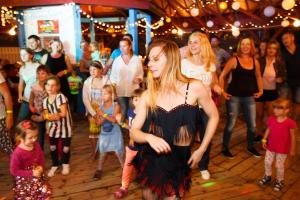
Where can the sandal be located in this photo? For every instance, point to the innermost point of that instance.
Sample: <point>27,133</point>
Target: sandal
<point>121,193</point>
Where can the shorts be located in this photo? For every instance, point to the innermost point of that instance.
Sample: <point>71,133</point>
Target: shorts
<point>290,92</point>
<point>268,95</point>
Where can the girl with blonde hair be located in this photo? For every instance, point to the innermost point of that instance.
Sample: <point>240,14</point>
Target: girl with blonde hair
<point>200,64</point>
<point>166,123</point>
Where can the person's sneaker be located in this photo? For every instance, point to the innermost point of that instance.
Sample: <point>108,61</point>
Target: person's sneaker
<point>205,174</point>
<point>120,193</point>
<point>65,169</point>
<point>265,180</point>
<point>52,171</point>
<point>278,185</point>
<point>254,152</point>
<point>227,154</point>
<point>97,175</point>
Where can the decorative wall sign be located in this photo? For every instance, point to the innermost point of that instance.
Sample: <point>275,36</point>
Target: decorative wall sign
<point>48,26</point>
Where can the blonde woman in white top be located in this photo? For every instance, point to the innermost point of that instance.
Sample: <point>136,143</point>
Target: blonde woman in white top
<point>200,64</point>
<point>127,73</point>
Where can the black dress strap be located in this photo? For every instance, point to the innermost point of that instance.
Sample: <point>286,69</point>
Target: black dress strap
<point>186,92</point>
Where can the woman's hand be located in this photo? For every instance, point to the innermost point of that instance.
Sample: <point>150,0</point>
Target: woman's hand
<point>158,144</point>
<point>226,95</point>
<point>258,94</point>
<point>37,171</point>
<point>195,158</point>
<point>61,73</point>
<point>20,99</point>
<point>264,145</point>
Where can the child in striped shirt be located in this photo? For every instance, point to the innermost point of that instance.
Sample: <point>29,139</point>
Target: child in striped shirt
<point>57,113</point>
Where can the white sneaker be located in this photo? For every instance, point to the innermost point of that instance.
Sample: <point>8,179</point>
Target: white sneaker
<point>52,171</point>
<point>65,169</point>
<point>205,174</point>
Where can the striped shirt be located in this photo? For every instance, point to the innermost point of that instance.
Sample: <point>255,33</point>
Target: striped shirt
<point>59,128</point>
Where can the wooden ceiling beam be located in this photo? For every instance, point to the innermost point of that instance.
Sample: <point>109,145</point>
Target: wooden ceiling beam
<point>252,16</point>
<point>140,4</point>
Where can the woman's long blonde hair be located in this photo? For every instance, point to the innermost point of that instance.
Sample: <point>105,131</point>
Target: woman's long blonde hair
<point>170,75</point>
<point>206,53</point>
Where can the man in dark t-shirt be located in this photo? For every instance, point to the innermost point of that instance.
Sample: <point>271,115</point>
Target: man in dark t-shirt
<point>291,56</point>
<point>34,43</point>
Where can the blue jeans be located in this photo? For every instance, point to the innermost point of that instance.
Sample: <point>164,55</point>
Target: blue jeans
<point>124,103</point>
<point>24,111</point>
<point>248,107</point>
<point>203,164</point>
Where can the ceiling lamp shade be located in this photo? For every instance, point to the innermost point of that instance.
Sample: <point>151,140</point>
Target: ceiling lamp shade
<point>285,23</point>
<point>296,23</point>
<point>269,11</point>
<point>185,24</point>
<point>288,4</point>
<point>235,5</point>
<point>209,23</point>
<point>195,12</point>
<point>237,23</point>
<point>223,5</point>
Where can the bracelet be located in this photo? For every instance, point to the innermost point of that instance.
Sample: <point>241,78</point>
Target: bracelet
<point>46,116</point>
<point>65,71</point>
<point>9,111</point>
<point>264,141</point>
<point>123,125</point>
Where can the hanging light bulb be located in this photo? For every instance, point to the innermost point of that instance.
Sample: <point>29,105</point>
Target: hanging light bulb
<point>180,32</point>
<point>223,5</point>
<point>288,4</point>
<point>285,23</point>
<point>235,31</point>
<point>209,23</point>
<point>168,19</point>
<point>269,11</point>
<point>174,31</point>
<point>195,12</point>
<point>185,24</point>
<point>296,23</point>
<point>235,5</point>
<point>237,23</point>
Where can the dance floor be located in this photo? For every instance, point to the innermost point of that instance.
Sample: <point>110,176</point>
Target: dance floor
<point>231,179</point>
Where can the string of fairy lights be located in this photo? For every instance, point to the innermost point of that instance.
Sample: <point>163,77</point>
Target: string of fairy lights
<point>9,16</point>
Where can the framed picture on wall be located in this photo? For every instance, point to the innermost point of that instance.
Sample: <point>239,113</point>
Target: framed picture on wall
<point>48,26</point>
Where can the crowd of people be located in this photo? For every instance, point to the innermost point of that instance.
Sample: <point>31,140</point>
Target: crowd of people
<point>177,107</point>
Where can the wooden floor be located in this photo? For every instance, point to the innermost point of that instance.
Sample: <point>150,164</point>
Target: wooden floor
<point>231,179</point>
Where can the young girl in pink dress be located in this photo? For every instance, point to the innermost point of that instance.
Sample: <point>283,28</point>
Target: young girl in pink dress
<point>279,140</point>
<point>27,164</point>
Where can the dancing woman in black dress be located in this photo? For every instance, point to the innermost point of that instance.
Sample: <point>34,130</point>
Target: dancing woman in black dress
<point>166,123</point>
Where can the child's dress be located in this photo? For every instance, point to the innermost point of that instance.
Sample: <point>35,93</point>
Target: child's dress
<point>111,136</point>
<point>25,185</point>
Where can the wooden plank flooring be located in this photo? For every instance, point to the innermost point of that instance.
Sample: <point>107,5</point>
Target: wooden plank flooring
<point>231,179</point>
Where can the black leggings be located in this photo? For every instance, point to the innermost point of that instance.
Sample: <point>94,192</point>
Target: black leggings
<point>66,153</point>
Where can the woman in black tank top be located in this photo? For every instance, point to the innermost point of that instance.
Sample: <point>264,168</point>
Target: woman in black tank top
<point>165,125</point>
<point>246,84</point>
<point>59,65</point>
